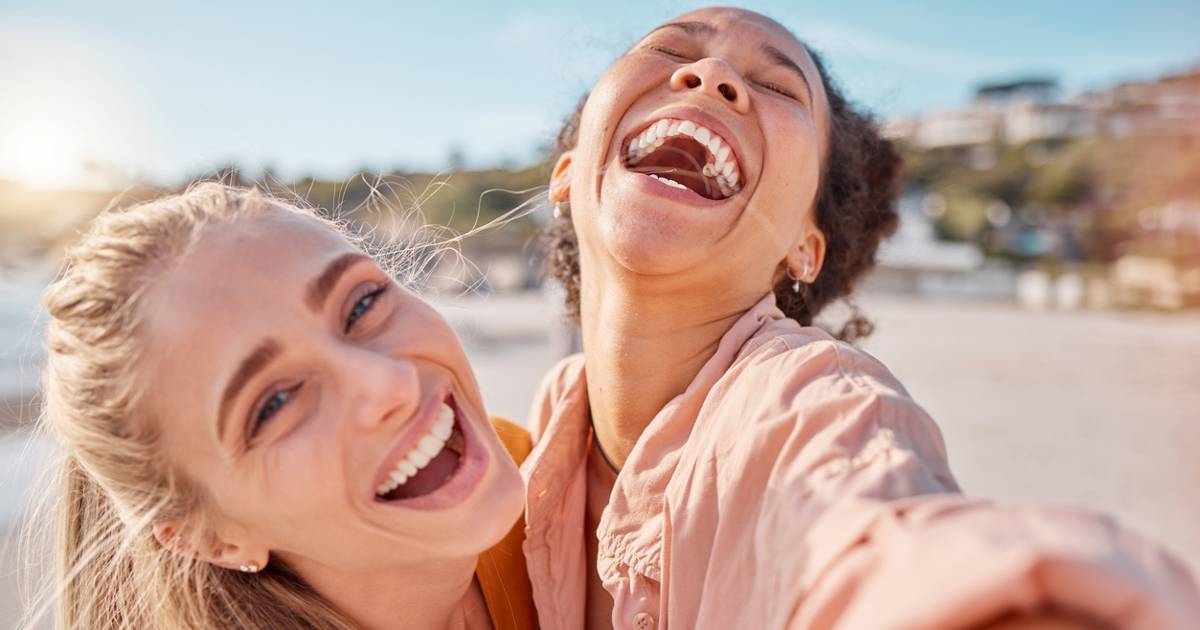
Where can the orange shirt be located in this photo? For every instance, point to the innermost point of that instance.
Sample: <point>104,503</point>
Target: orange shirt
<point>501,570</point>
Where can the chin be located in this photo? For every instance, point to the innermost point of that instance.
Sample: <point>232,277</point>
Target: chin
<point>652,239</point>
<point>507,504</point>
<point>490,518</point>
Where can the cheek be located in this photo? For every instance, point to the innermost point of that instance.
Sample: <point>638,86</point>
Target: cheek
<point>303,480</point>
<point>613,96</point>
<point>792,135</point>
<point>304,473</point>
<point>792,163</point>
<point>419,330</point>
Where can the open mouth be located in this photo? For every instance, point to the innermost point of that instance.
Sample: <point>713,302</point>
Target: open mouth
<point>683,154</point>
<point>430,463</point>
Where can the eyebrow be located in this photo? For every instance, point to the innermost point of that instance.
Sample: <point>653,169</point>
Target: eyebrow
<point>691,28</point>
<point>315,296</point>
<point>782,59</point>
<point>255,362</point>
<point>321,286</point>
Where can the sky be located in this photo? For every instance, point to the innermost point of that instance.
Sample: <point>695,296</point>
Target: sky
<point>95,92</point>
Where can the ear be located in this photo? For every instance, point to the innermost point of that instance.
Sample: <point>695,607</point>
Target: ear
<point>805,258</point>
<point>182,539</point>
<point>560,178</point>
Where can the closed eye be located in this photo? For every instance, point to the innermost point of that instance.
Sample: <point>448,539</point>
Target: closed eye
<point>778,89</point>
<point>670,52</point>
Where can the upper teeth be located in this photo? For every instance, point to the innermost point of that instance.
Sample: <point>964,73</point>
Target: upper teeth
<point>721,166</point>
<point>419,457</point>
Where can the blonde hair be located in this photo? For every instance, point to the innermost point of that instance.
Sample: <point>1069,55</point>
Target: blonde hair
<point>111,570</point>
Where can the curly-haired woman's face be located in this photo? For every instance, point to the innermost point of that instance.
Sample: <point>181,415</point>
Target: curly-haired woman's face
<point>329,416</point>
<point>700,151</point>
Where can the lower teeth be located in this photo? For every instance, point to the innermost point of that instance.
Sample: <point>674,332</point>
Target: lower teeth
<point>670,182</point>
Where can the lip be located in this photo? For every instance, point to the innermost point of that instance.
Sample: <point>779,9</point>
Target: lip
<point>652,186</point>
<point>472,466</point>
<point>417,428</point>
<point>700,116</point>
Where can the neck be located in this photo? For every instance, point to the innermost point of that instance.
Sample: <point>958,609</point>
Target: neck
<point>645,339</point>
<point>425,597</point>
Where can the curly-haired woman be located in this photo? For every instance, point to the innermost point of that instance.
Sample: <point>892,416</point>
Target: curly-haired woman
<point>712,460</point>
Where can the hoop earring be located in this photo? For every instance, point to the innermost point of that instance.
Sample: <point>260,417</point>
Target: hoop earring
<point>795,281</point>
<point>249,568</point>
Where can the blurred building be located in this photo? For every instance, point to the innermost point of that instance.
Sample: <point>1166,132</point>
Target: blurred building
<point>1168,106</point>
<point>1031,110</point>
<point>915,261</point>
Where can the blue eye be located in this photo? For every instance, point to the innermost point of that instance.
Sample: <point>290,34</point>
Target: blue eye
<point>272,406</point>
<point>362,307</point>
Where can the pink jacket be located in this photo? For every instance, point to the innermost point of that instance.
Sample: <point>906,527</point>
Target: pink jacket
<point>795,484</point>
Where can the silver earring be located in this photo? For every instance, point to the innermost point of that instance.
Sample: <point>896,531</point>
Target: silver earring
<point>249,568</point>
<point>795,281</point>
<point>559,210</point>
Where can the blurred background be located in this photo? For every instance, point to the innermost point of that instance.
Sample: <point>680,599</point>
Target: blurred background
<point>1041,298</point>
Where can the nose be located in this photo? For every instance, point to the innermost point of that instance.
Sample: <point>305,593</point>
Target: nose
<point>716,78</point>
<point>383,390</point>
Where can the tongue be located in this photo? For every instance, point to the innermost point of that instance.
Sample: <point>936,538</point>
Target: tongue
<point>680,158</point>
<point>429,478</point>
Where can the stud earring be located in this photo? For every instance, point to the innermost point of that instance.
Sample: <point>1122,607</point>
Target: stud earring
<point>560,209</point>
<point>249,568</point>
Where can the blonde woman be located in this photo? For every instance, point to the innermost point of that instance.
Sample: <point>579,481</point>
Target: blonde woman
<point>263,430</point>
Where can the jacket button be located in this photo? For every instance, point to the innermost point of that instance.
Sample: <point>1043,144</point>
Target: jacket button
<point>643,621</point>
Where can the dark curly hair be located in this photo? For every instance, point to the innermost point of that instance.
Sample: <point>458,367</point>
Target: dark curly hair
<point>855,205</point>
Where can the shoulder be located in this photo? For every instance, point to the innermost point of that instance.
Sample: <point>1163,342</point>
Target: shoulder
<point>515,438</point>
<point>561,378</point>
<point>799,358</point>
<point>560,382</point>
<point>825,397</point>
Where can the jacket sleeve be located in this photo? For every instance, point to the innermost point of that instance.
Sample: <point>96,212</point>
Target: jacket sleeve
<point>860,500</point>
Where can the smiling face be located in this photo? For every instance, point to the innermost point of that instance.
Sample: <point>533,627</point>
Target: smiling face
<point>700,152</point>
<point>329,416</point>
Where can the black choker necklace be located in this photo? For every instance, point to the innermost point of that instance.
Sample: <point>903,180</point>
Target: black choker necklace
<point>599,448</point>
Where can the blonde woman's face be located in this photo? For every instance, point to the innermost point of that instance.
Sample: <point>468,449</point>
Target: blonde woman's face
<point>330,416</point>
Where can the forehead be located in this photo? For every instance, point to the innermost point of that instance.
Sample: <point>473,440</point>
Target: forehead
<point>239,284</point>
<point>747,22</point>
<point>277,251</point>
